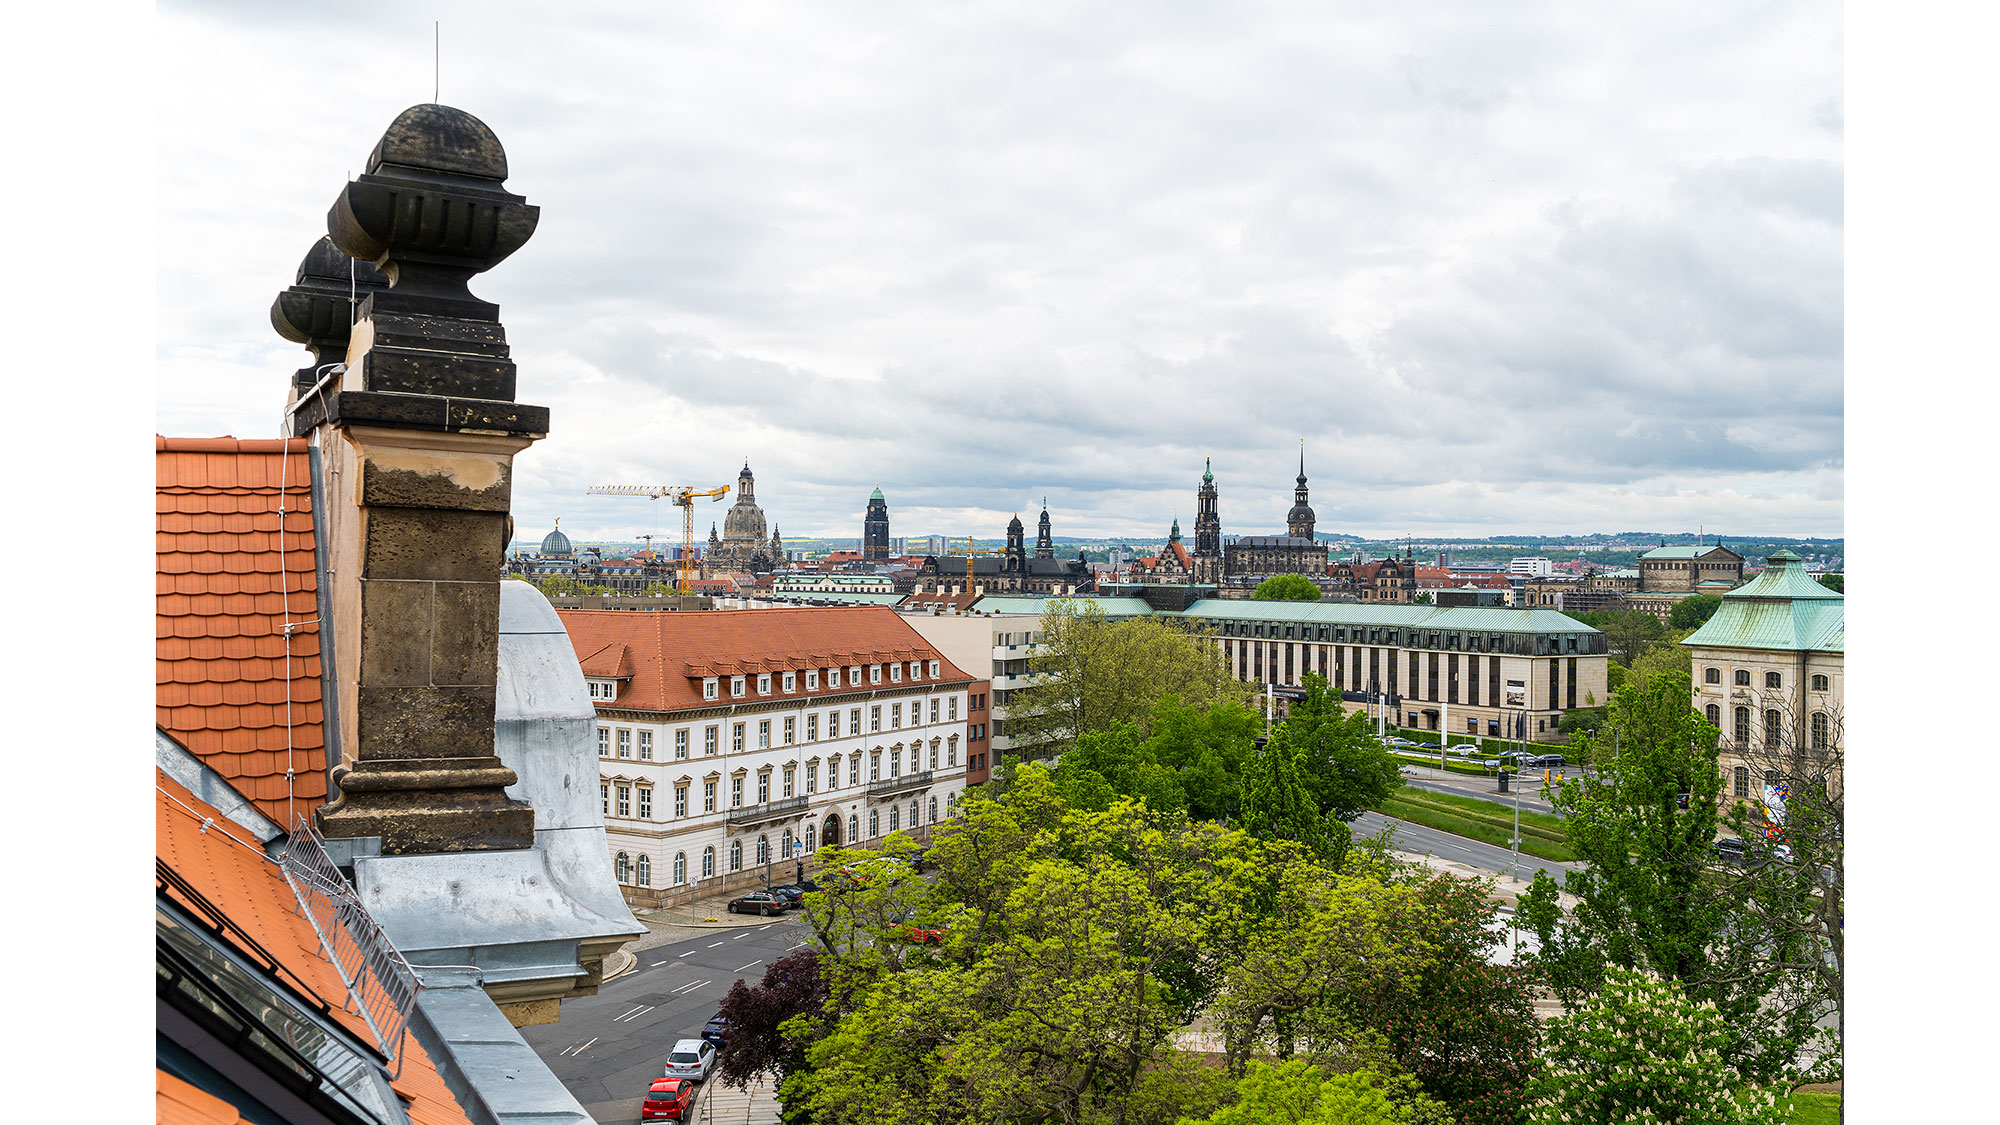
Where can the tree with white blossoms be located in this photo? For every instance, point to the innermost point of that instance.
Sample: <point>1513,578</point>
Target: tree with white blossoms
<point>1641,1051</point>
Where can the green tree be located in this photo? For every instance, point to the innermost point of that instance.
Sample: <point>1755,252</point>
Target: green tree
<point>1642,1050</point>
<point>1424,598</point>
<point>1348,771</point>
<point>1286,588</point>
<point>1836,582</point>
<point>1690,613</point>
<point>1093,674</point>
<point>1278,804</point>
<point>1297,1092</point>
<point>1670,657</point>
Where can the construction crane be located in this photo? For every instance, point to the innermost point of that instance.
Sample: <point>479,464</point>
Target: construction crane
<point>969,553</point>
<point>683,497</point>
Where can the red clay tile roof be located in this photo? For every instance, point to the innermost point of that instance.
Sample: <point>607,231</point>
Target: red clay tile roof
<point>221,605</point>
<point>177,1103</point>
<point>226,867</point>
<point>672,652</point>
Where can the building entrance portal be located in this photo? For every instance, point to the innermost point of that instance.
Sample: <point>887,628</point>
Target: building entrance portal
<point>829,833</point>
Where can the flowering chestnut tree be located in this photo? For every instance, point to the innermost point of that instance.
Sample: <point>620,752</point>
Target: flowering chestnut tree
<point>1640,1051</point>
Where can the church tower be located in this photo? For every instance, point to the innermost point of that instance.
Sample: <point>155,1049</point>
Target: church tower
<point>875,528</point>
<point>1299,521</point>
<point>1017,551</point>
<point>1045,545</point>
<point>1207,530</point>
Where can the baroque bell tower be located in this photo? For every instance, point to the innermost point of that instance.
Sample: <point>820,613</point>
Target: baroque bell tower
<point>1207,556</point>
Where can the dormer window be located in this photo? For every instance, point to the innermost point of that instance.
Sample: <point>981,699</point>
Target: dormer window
<point>895,673</point>
<point>709,688</point>
<point>934,669</point>
<point>833,677</point>
<point>854,674</point>
<point>812,680</point>
<point>874,673</point>
<point>916,670</point>
<point>736,686</point>
<point>603,691</point>
<point>764,684</point>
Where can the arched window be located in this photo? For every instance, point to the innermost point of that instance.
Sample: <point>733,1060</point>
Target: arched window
<point>623,864</point>
<point>1819,683</point>
<point>1742,786</point>
<point>1819,730</point>
<point>785,845</point>
<point>892,817</point>
<point>913,814</point>
<point>644,870</point>
<point>1715,714</point>
<point>1743,725</point>
<point>708,862</point>
<point>680,868</point>
<point>1711,675</point>
<point>1742,677</point>
<point>933,810</point>
<point>1772,681</point>
<point>1774,730</point>
<point>951,804</point>
<point>763,850</point>
<point>874,824</point>
<point>853,827</point>
<point>812,838</point>
<point>736,855</point>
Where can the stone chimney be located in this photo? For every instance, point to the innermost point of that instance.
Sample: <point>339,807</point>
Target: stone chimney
<point>417,438</point>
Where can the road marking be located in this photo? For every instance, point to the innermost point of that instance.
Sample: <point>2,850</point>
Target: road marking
<point>633,1014</point>
<point>735,937</point>
<point>685,953</point>
<point>687,988</point>
<point>713,944</point>
<point>579,1049</point>
<point>751,965</point>
<point>800,945</point>
<point>691,991</point>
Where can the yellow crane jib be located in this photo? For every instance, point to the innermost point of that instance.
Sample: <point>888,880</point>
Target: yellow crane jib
<point>683,497</point>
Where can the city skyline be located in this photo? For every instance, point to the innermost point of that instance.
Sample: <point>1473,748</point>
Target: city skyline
<point>1546,275</point>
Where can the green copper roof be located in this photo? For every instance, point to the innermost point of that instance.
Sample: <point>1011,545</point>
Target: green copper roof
<point>1782,608</point>
<point>1114,608</point>
<point>1207,465</point>
<point>877,494</point>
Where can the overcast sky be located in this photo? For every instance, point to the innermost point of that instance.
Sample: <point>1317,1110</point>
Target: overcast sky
<point>1532,268</point>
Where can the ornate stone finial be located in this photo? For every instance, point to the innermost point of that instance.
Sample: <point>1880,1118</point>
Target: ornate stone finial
<point>319,308</point>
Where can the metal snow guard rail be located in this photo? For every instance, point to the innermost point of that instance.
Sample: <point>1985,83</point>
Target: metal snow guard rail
<point>382,984</point>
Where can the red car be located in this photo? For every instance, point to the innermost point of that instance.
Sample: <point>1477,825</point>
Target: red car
<point>670,1099</point>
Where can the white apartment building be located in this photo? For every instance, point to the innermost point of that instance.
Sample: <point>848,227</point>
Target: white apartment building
<point>1537,567</point>
<point>732,743</point>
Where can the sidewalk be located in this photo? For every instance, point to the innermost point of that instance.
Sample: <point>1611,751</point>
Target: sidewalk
<point>726,1105</point>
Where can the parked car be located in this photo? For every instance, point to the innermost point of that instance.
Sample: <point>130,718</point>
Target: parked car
<point>1397,740</point>
<point>1462,749</point>
<point>1782,853</point>
<point>1731,849</point>
<point>716,1030</point>
<point>757,902</point>
<point>793,895</point>
<point>691,1059</point>
<point>670,1099</point>
<point>1427,745</point>
<point>909,930</point>
<point>1547,762</point>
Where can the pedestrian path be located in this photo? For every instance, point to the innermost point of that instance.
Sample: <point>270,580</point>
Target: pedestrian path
<point>726,1105</point>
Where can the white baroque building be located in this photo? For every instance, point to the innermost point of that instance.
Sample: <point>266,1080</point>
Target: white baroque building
<point>733,744</point>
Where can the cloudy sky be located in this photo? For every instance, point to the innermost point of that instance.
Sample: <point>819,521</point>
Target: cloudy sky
<point>1505,268</point>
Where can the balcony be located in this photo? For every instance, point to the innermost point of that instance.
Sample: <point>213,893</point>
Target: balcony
<point>769,811</point>
<point>1013,652</point>
<point>899,784</point>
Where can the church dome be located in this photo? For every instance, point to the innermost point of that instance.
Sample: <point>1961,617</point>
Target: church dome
<point>556,543</point>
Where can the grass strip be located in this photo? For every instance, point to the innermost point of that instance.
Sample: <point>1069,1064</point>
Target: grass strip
<point>1479,808</point>
<point>1815,1109</point>
<point>1432,817</point>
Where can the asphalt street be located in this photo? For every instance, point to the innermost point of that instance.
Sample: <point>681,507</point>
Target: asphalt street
<point>1421,840</point>
<point>608,1048</point>
<point>1485,788</point>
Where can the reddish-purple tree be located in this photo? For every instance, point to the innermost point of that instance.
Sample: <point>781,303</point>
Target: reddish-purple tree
<point>792,986</point>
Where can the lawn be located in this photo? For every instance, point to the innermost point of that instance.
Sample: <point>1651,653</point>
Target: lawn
<point>1815,1109</point>
<point>1541,834</point>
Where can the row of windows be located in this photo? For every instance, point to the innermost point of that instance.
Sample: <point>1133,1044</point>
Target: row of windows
<point>1473,642</point>
<point>1821,727</point>
<point>639,871</point>
<point>788,682</point>
<point>1773,681</point>
<point>618,795</point>
<point>788,729</point>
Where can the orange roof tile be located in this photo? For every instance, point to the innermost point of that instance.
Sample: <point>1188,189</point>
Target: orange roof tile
<point>177,1103</point>
<point>671,652</point>
<point>224,864</point>
<point>232,569</point>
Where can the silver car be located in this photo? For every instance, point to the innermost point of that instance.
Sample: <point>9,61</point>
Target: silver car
<point>691,1059</point>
